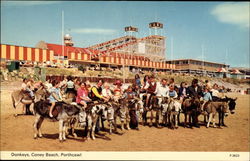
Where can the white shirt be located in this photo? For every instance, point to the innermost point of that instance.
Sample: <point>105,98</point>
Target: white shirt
<point>48,85</point>
<point>106,92</point>
<point>147,85</point>
<point>162,91</point>
<point>70,84</point>
<point>215,92</point>
<point>24,86</point>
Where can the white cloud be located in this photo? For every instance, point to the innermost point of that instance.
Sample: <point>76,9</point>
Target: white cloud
<point>27,3</point>
<point>236,13</point>
<point>99,31</point>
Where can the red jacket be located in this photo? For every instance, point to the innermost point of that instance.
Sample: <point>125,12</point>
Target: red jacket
<point>151,88</point>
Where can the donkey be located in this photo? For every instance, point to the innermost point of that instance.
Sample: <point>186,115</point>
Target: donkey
<point>109,115</point>
<point>85,117</point>
<point>24,98</point>
<point>92,117</point>
<point>172,111</point>
<point>231,103</point>
<point>124,114</point>
<point>191,107</point>
<point>164,104</point>
<point>78,121</point>
<point>216,107</point>
<point>139,110</point>
<point>62,112</point>
<point>155,106</point>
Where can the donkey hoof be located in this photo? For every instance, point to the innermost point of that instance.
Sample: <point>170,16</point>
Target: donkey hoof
<point>60,141</point>
<point>40,136</point>
<point>35,137</point>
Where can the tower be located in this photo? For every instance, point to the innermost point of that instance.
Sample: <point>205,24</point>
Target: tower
<point>155,43</point>
<point>155,28</point>
<point>68,40</point>
<point>131,31</point>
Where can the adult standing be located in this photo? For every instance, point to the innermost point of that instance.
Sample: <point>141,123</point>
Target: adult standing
<point>130,96</point>
<point>195,91</point>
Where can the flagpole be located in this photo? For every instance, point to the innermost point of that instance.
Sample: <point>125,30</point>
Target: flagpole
<point>62,33</point>
<point>172,50</point>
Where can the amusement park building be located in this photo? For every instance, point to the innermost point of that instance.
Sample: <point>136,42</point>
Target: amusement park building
<point>127,51</point>
<point>197,66</point>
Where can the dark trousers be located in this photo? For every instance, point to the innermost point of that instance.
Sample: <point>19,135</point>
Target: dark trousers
<point>97,127</point>
<point>133,119</point>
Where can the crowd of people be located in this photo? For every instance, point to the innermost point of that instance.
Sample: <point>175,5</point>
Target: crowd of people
<point>86,92</point>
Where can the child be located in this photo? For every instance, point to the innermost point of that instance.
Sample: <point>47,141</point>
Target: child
<point>27,87</point>
<point>55,96</point>
<point>206,97</point>
<point>82,95</point>
<point>106,92</point>
<point>117,90</point>
<point>172,93</point>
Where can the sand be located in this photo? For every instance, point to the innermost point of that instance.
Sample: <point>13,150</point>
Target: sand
<point>17,133</point>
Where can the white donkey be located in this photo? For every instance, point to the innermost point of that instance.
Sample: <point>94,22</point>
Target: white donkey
<point>171,110</point>
<point>92,117</point>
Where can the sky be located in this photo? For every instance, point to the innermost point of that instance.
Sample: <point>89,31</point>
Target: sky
<point>210,31</point>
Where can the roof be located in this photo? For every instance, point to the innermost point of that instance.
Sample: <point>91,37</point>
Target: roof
<point>69,49</point>
<point>223,70</point>
<point>195,60</point>
<point>235,71</point>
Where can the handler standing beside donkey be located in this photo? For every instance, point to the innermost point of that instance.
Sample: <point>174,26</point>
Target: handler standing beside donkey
<point>195,91</point>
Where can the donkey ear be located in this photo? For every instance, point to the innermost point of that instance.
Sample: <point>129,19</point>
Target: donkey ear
<point>235,99</point>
